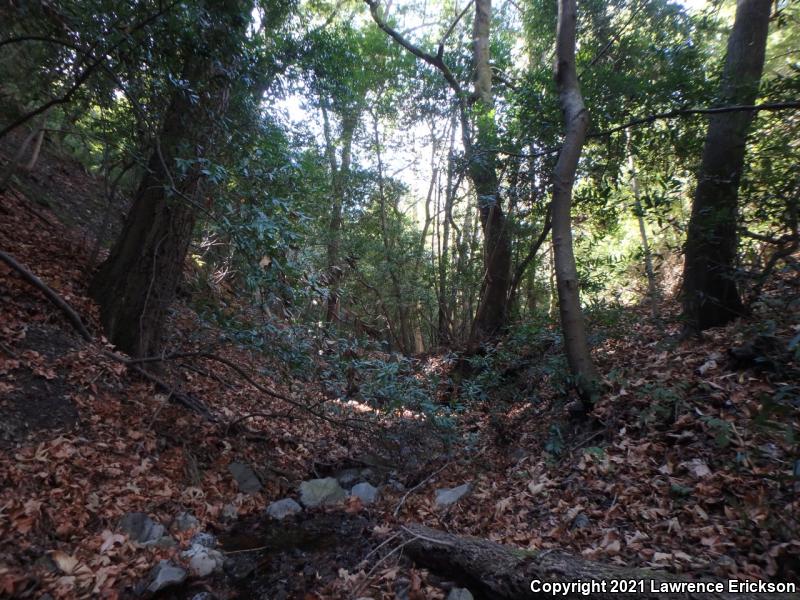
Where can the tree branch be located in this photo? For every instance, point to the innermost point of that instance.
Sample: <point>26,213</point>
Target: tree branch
<point>682,112</point>
<point>57,300</point>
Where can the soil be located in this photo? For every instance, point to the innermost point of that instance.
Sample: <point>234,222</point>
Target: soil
<point>284,560</point>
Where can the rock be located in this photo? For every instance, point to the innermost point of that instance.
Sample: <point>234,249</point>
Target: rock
<point>446,497</point>
<point>239,567</point>
<point>141,528</point>
<point>203,561</point>
<point>163,575</point>
<point>281,509</point>
<point>366,492</point>
<point>47,563</point>
<point>581,521</point>
<point>204,596</point>
<point>184,522</point>
<point>348,477</point>
<point>401,587</point>
<point>316,492</point>
<point>796,473</point>
<point>459,594</point>
<point>229,512</point>
<point>518,454</point>
<point>165,541</point>
<point>245,477</point>
<point>202,538</point>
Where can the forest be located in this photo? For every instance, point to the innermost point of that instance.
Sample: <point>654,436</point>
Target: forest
<point>413,299</point>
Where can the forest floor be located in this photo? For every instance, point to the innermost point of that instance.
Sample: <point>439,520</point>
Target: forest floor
<point>689,462</point>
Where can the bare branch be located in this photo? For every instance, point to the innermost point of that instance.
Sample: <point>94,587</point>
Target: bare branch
<point>440,50</point>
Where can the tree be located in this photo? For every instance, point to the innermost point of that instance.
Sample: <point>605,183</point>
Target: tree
<point>490,318</point>
<point>136,284</point>
<point>710,292</point>
<point>480,157</point>
<point>576,122</point>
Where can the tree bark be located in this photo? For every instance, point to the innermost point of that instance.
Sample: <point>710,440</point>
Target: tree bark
<point>339,180</point>
<point>492,313</point>
<point>407,341</point>
<point>710,292</point>
<point>491,570</point>
<point>136,284</point>
<point>444,316</point>
<point>652,289</point>
<point>576,119</point>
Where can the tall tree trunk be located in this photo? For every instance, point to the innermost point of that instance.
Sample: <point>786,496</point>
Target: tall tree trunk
<point>444,318</point>
<point>492,313</point>
<point>576,120</point>
<point>403,317</point>
<point>37,148</point>
<point>652,290</point>
<point>136,284</point>
<point>339,181</point>
<point>710,294</point>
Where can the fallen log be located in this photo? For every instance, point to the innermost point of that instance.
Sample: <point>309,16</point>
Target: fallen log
<point>499,572</point>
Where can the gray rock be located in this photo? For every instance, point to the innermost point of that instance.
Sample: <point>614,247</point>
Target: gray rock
<point>401,587</point>
<point>204,596</point>
<point>165,541</point>
<point>203,561</point>
<point>202,538</point>
<point>366,492</point>
<point>230,512</point>
<point>184,522</point>
<point>163,575</point>
<point>245,477</point>
<point>459,594</point>
<point>239,567</point>
<point>141,528</point>
<point>316,492</point>
<point>348,477</point>
<point>281,509</point>
<point>47,563</point>
<point>581,521</point>
<point>448,496</point>
<point>518,454</point>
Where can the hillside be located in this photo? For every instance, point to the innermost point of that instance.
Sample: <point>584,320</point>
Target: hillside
<point>688,463</point>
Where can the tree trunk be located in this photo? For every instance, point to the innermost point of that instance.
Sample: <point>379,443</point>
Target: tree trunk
<point>652,290</point>
<point>576,119</point>
<point>444,318</point>
<point>710,294</point>
<point>498,572</point>
<point>339,182</point>
<point>37,148</point>
<point>136,284</point>
<point>491,316</point>
<point>406,334</point>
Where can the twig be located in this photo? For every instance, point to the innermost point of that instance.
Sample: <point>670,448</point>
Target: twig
<point>419,536</point>
<point>378,564</point>
<point>419,485</point>
<point>243,374</point>
<point>381,545</point>
<point>256,549</point>
<point>264,415</point>
<point>78,325</point>
<point>62,305</point>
